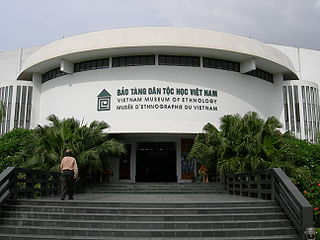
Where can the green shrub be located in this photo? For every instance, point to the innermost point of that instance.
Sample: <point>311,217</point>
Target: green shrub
<point>12,143</point>
<point>312,194</point>
<point>307,155</point>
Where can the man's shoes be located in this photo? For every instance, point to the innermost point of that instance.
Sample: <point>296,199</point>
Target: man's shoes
<point>71,198</point>
<point>62,198</point>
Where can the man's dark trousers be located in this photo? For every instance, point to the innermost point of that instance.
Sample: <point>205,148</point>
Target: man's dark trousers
<point>67,183</point>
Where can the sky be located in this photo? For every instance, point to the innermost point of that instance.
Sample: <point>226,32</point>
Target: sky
<point>28,23</point>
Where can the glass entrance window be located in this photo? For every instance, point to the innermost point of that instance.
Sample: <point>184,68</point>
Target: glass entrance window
<point>187,165</point>
<point>124,164</point>
<point>156,162</point>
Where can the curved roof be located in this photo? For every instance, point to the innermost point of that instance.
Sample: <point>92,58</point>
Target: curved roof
<point>157,40</point>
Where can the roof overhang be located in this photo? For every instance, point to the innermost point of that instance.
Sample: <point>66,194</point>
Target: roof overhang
<point>157,40</point>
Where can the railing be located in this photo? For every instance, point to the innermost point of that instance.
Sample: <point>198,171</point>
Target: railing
<point>26,183</point>
<point>273,184</point>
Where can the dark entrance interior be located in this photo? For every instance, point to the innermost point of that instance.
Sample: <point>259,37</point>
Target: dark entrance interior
<point>156,162</point>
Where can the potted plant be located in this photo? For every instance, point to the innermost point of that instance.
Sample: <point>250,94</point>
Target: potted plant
<point>203,173</point>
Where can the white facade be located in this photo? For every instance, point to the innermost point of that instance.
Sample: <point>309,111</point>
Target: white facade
<point>160,85</point>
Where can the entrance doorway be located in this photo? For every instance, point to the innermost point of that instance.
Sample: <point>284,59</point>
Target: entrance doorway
<point>156,162</point>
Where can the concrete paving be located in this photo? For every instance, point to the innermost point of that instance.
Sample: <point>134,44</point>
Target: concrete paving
<point>160,198</point>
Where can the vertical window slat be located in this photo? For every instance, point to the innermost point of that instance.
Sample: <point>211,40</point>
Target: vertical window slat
<point>23,107</point>
<point>29,107</point>
<point>17,107</point>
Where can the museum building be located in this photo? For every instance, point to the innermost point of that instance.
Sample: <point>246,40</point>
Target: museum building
<point>157,87</point>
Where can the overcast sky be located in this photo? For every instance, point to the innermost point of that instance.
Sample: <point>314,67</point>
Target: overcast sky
<point>26,23</point>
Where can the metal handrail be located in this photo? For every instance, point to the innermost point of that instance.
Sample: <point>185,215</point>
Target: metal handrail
<point>6,183</point>
<point>273,184</point>
<point>27,183</point>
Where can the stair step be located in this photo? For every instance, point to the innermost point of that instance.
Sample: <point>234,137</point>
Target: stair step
<point>108,232</point>
<point>151,211</point>
<point>147,224</point>
<point>137,217</point>
<point>79,203</point>
<point>164,188</point>
<point>50,237</point>
<point>150,192</point>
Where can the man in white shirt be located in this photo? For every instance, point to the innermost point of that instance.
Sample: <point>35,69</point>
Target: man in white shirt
<point>69,170</point>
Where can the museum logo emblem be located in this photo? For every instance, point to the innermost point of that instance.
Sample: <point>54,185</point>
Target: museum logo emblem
<point>104,101</point>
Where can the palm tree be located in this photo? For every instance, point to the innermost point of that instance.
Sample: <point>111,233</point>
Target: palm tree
<point>88,142</point>
<point>208,147</point>
<point>244,144</point>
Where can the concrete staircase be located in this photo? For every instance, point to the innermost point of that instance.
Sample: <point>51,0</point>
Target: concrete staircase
<point>127,216</point>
